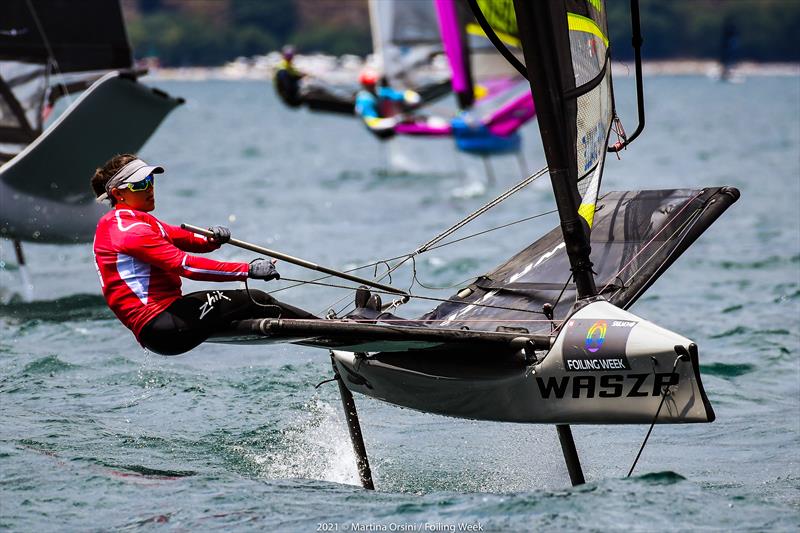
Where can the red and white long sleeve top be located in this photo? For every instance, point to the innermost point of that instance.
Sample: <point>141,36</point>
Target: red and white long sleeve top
<point>140,261</point>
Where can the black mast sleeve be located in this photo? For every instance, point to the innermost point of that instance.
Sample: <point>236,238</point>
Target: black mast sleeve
<point>541,25</point>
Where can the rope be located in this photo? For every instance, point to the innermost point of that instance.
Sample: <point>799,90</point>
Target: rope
<point>415,279</point>
<point>51,56</point>
<point>429,298</point>
<point>256,302</point>
<point>664,394</point>
<point>303,282</point>
<point>458,225</point>
<point>503,226</point>
<point>475,214</point>
<point>553,327</point>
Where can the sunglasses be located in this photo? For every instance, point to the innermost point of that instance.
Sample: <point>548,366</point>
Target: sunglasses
<point>139,186</point>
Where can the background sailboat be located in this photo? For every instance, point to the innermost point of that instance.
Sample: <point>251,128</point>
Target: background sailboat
<point>405,40</point>
<point>50,50</point>
<point>492,100</point>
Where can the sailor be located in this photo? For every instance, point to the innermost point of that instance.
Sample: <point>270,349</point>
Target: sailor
<point>141,259</point>
<point>378,105</point>
<point>287,78</point>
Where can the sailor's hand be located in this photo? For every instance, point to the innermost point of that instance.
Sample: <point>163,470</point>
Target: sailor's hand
<point>221,234</point>
<point>263,269</point>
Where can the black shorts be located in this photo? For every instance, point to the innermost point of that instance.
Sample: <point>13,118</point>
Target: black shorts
<point>192,318</point>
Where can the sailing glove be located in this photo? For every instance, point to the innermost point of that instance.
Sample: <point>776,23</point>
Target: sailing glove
<point>221,234</point>
<point>263,269</point>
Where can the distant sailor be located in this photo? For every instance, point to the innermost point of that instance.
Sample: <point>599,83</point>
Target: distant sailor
<point>287,78</point>
<point>378,106</point>
<point>141,259</point>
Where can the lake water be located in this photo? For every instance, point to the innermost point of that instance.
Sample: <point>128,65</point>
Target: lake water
<point>97,434</point>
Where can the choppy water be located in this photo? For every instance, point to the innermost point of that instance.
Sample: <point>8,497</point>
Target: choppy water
<point>98,434</point>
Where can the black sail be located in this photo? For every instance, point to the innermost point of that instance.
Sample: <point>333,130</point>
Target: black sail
<point>79,35</point>
<point>49,48</point>
<point>568,62</point>
<point>75,48</point>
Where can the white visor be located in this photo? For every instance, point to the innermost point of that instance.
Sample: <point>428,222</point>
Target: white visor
<point>133,172</point>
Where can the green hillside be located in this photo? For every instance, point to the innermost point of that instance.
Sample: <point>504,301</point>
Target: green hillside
<point>211,32</point>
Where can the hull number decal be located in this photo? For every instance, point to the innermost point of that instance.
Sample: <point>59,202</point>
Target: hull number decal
<point>605,386</point>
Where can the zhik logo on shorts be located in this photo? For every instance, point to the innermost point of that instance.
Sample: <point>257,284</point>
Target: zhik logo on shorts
<point>211,299</point>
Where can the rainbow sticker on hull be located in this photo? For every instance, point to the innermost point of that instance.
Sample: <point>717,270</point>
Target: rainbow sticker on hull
<point>596,336</point>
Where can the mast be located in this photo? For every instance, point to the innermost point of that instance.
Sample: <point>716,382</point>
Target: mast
<point>451,27</point>
<point>544,34</point>
<point>379,16</point>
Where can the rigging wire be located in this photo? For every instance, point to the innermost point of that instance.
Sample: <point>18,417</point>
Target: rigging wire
<point>461,283</point>
<point>458,225</point>
<point>685,226</point>
<point>653,238</point>
<point>436,247</point>
<point>664,394</point>
<point>495,40</point>
<point>503,226</point>
<point>51,56</point>
<point>680,229</point>
<point>429,298</point>
<point>478,212</point>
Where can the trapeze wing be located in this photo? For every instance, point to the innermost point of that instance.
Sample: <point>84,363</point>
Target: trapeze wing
<point>636,236</point>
